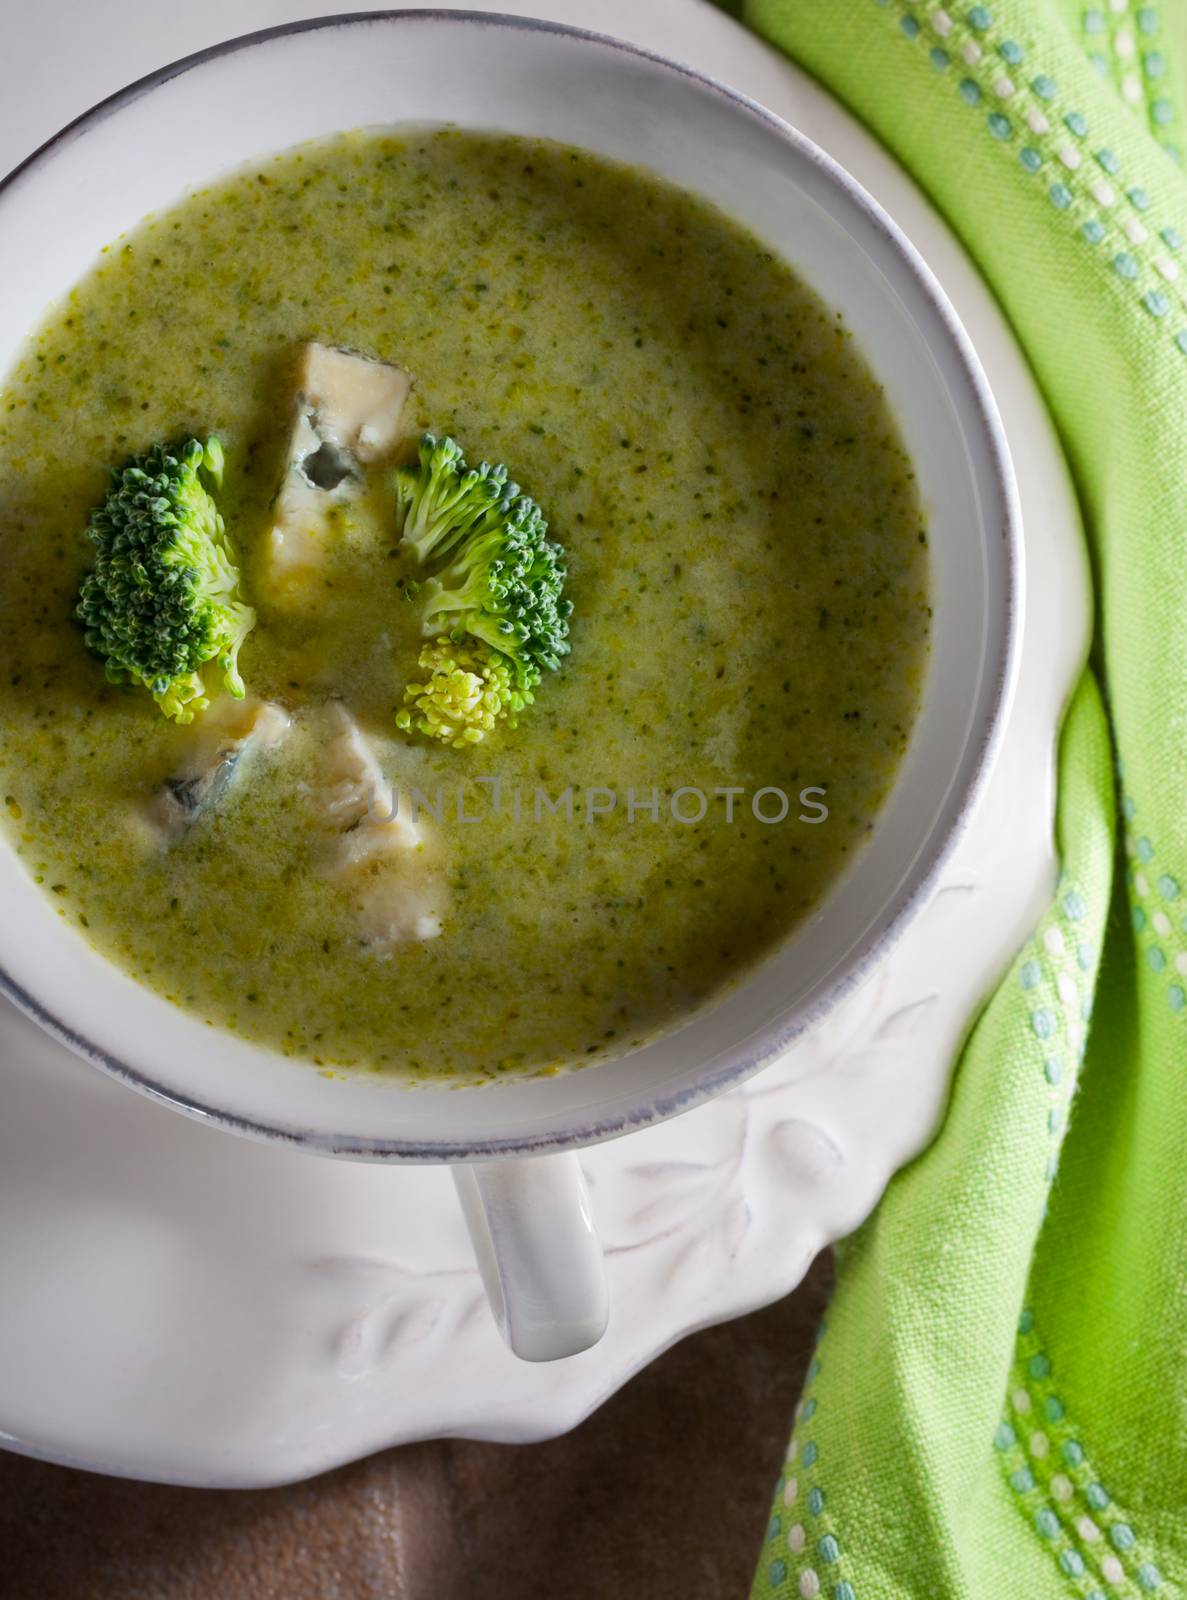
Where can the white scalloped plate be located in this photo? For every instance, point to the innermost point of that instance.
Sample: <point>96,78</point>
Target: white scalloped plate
<point>182,1305</point>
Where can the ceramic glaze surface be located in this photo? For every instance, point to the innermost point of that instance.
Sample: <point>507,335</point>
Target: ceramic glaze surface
<point>536,81</point>
<point>339,1307</point>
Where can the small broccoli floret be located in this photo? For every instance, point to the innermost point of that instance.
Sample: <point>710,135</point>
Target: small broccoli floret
<point>468,688</point>
<point>442,500</point>
<point>504,586</point>
<point>163,597</point>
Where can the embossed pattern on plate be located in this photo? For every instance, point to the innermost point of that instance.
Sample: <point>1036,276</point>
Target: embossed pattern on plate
<point>183,1305</point>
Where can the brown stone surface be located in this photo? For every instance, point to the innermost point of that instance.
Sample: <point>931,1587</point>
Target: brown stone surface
<point>663,1493</point>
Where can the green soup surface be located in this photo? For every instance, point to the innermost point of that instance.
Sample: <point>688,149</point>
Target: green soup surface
<point>747,561</point>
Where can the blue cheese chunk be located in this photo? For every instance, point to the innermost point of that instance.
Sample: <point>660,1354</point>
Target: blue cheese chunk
<point>348,414</point>
<point>224,736</point>
<point>386,859</point>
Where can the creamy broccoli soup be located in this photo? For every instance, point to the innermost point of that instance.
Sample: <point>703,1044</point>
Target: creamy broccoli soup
<point>385,855</point>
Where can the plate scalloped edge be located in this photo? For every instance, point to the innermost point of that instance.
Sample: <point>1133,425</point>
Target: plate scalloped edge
<point>188,1307</point>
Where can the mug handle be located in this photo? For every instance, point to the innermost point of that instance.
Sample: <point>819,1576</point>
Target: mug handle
<point>538,1252</point>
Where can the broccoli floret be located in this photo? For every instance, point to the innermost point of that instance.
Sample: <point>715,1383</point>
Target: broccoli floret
<point>506,586</point>
<point>163,597</point>
<point>467,689</point>
<point>442,500</point>
<point>503,590</point>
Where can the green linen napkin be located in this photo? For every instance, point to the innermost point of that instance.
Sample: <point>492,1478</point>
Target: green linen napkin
<point>997,1408</point>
